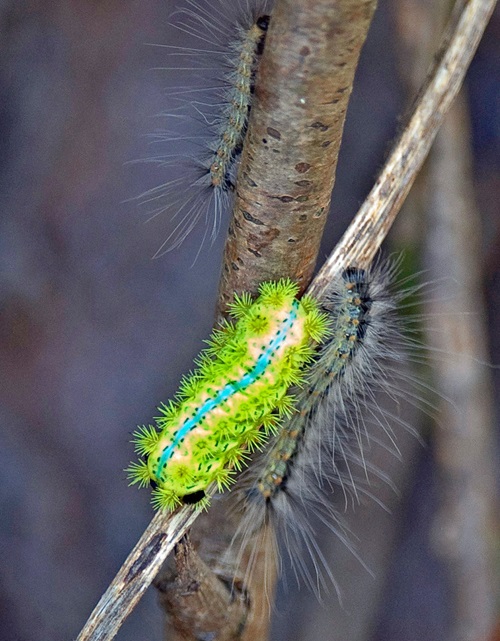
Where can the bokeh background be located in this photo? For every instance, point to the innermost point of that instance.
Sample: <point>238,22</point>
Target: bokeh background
<point>94,333</point>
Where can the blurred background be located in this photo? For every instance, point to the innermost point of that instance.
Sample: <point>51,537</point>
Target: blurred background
<point>94,332</point>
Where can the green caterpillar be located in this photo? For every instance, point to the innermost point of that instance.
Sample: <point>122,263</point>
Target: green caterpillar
<point>234,399</point>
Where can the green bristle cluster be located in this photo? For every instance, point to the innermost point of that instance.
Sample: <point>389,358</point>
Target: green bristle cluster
<point>234,399</point>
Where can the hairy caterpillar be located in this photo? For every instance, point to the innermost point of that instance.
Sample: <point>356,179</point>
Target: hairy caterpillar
<point>321,449</point>
<point>213,117</point>
<point>351,311</point>
<point>234,400</point>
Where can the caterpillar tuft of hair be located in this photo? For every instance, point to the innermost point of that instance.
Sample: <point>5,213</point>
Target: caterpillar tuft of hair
<point>321,449</point>
<point>211,121</point>
<point>234,400</point>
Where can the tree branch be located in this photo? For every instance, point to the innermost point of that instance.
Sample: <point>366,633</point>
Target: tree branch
<point>368,229</point>
<point>136,574</point>
<point>198,604</point>
<point>287,171</point>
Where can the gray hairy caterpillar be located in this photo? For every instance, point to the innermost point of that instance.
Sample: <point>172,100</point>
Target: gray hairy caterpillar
<point>219,62</point>
<point>321,451</point>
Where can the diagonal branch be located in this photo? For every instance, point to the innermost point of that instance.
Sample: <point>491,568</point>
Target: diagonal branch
<point>368,229</point>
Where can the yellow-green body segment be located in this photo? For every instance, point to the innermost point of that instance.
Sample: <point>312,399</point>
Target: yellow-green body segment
<point>234,399</point>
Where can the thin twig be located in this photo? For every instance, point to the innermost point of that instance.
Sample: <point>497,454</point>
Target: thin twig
<point>368,229</point>
<point>464,528</point>
<point>358,245</point>
<point>136,574</point>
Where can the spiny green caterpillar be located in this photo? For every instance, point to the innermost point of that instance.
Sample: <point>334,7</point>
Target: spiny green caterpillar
<point>235,398</point>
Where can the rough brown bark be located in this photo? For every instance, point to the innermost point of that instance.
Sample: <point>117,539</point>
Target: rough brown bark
<point>198,604</point>
<point>284,189</point>
<point>288,165</point>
